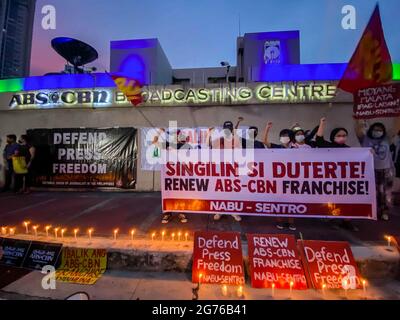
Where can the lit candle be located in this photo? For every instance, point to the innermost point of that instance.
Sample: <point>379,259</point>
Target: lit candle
<point>173,236</point>
<point>179,236</point>
<point>389,240</point>
<point>35,230</point>
<point>132,234</point>
<point>344,284</point>
<point>186,236</point>
<point>224,290</point>
<point>162,235</point>
<point>12,231</point>
<point>62,232</point>
<point>364,283</point>
<point>47,230</point>
<point>291,287</point>
<point>153,236</point>
<point>26,224</point>
<point>200,277</point>
<point>240,291</point>
<point>3,230</point>
<point>323,289</point>
<point>115,234</point>
<point>90,231</point>
<point>75,233</point>
<point>56,231</point>
<point>273,290</point>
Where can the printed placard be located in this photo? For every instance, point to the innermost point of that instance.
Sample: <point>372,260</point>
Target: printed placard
<point>81,265</point>
<point>274,260</point>
<point>14,252</point>
<point>41,254</point>
<point>217,258</point>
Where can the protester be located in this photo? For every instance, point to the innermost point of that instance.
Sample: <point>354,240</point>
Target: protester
<point>8,152</point>
<point>377,139</point>
<point>23,181</point>
<point>395,148</point>
<point>338,139</point>
<point>285,137</point>
<point>179,141</point>
<point>229,140</point>
<point>252,143</point>
<point>299,138</point>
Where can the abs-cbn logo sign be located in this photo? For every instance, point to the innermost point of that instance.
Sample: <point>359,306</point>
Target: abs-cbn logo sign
<point>272,52</point>
<point>60,98</point>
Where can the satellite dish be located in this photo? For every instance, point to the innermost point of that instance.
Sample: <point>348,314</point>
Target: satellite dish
<point>76,52</point>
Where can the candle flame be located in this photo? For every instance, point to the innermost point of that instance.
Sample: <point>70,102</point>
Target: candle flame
<point>47,228</point>
<point>116,231</point>
<point>324,286</point>
<point>132,231</point>
<point>26,223</point>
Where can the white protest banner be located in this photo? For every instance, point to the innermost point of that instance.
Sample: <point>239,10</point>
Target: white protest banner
<point>313,183</point>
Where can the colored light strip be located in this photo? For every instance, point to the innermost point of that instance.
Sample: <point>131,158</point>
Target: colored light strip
<point>271,73</point>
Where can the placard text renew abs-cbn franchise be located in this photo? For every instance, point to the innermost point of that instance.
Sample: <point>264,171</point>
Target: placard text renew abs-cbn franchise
<point>335,183</point>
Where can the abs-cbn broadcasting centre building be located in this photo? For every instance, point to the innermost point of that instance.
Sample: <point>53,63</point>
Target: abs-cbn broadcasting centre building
<point>268,83</point>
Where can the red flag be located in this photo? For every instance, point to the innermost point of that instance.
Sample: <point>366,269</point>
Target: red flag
<point>130,87</point>
<point>370,64</point>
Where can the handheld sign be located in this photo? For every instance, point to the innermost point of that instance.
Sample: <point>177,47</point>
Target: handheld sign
<point>330,263</point>
<point>217,258</point>
<point>14,252</point>
<point>41,254</point>
<point>275,260</point>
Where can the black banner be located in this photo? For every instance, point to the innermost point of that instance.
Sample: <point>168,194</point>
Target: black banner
<point>84,157</point>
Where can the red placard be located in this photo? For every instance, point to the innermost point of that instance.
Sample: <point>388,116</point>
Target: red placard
<point>275,259</point>
<point>217,258</point>
<point>330,263</point>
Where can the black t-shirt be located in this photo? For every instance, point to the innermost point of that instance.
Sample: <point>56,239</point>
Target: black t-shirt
<point>257,144</point>
<point>320,142</point>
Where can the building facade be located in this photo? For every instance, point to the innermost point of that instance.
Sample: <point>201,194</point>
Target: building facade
<point>16,22</point>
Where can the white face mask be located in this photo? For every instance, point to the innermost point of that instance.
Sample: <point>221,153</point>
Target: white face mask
<point>300,138</point>
<point>284,140</point>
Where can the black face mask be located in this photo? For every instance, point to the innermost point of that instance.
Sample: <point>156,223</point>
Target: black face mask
<point>19,141</point>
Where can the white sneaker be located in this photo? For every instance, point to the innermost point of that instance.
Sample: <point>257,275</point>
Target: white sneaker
<point>217,217</point>
<point>237,218</point>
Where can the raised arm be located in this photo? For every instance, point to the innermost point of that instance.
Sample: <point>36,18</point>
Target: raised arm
<point>240,119</point>
<point>321,129</point>
<point>266,135</point>
<point>360,128</point>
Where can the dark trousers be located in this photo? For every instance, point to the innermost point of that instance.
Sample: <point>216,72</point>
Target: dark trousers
<point>19,182</point>
<point>8,176</point>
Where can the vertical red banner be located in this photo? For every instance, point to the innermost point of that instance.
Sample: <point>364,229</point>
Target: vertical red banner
<point>274,260</point>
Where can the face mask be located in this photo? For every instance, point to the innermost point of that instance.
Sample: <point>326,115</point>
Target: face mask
<point>377,134</point>
<point>284,140</point>
<point>340,140</point>
<point>300,138</point>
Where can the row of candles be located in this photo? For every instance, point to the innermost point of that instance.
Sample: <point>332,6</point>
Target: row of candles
<point>60,232</point>
<point>239,290</point>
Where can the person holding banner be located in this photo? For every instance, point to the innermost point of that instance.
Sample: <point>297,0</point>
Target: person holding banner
<point>286,137</point>
<point>376,139</point>
<point>338,139</point>
<point>180,142</point>
<point>229,140</point>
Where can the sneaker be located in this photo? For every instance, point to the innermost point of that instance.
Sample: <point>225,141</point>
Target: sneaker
<point>385,217</point>
<point>217,217</point>
<point>237,218</point>
<point>280,226</point>
<point>182,218</point>
<point>166,218</point>
<point>292,227</point>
